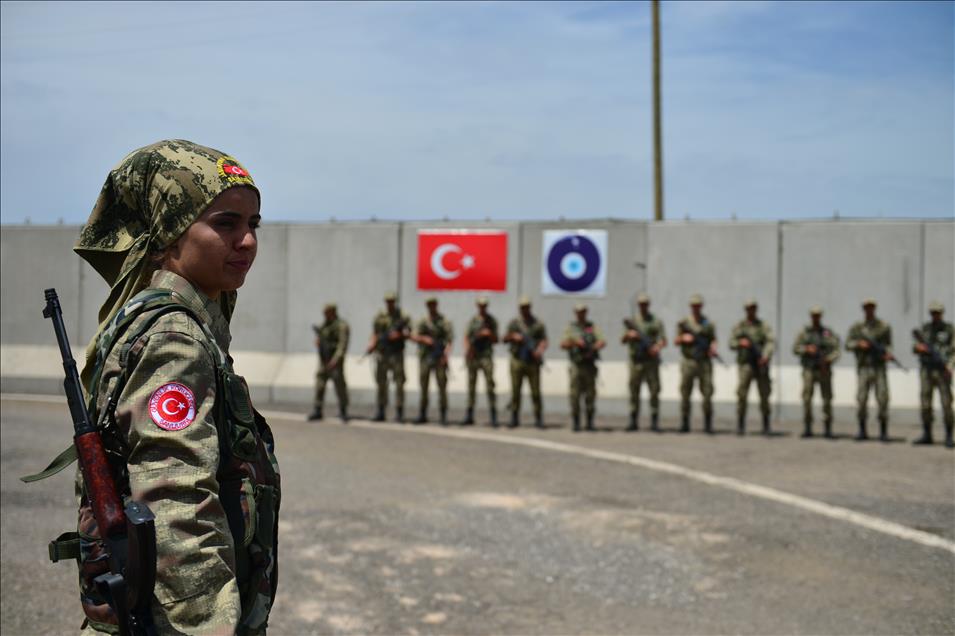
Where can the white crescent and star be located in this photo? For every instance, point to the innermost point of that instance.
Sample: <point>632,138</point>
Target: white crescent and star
<point>165,406</point>
<point>437,256</point>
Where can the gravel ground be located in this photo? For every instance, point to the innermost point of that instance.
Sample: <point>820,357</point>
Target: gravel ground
<point>385,531</point>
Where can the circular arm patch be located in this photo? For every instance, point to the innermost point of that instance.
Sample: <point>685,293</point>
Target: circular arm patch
<point>172,407</point>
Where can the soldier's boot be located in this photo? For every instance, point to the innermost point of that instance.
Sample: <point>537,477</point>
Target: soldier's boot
<point>655,423</point>
<point>576,422</point>
<point>590,421</point>
<point>316,414</point>
<point>493,417</point>
<point>949,442</point>
<point>379,415</point>
<point>926,439</point>
<point>807,428</point>
<point>538,421</point>
<point>884,429</point>
<point>862,435</point>
<point>633,421</point>
<point>422,416</point>
<point>708,423</point>
<point>685,426</point>
<point>444,417</point>
<point>514,421</point>
<point>741,425</point>
<point>399,414</point>
<point>828,424</point>
<point>468,417</point>
<point>766,429</point>
<point>343,414</point>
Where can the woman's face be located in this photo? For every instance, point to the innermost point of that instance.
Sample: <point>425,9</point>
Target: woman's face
<point>217,251</point>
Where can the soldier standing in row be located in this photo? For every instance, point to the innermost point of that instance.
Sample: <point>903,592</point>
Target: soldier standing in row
<point>389,331</point>
<point>935,346</point>
<point>528,339</point>
<point>818,349</point>
<point>583,341</point>
<point>753,342</point>
<point>645,335</point>
<point>435,337</point>
<point>871,341</point>
<point>332,342</point>
<point>696,337</point>
<point>479,344</point>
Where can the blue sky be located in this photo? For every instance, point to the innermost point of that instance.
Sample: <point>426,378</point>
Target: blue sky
<point>502,110</point>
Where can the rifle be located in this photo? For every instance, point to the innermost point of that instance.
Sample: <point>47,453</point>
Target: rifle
<point>527,349</point>
<point>819,358</point>
<point>129,533</point>
<point>701,345</point>
<point>384,344</point>
<point>588,353</point>
<point>325,349</point>
<point>935,359</point>
<point>473,341</point>
<point>644,342</point>
<point>877,351</point>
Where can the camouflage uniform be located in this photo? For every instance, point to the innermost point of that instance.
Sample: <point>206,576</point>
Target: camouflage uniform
<point>481,359</point>
<point>817,369</point>
<point>583,369</point>
<point>936,374</point>
<point>203,462</point>
<point>333,344</point>
<point>523,365</point>
<point>645,367</point>
<point>221,506</point>
<point>762,344</point>
<point>441,331</point>
<point>870,369</point>
<point>696,365</point>
<point>390,357</point>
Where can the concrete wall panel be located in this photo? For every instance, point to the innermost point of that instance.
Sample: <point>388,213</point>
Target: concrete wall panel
<point>939,263</point>
<point>349,264</point>
<point>837,265</point>
<point>260,319</point>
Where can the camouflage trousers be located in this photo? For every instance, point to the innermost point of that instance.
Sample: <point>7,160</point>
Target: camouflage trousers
<point>485,365</point>
<point>763,383</point>
<point>870,377</point>
<point>519,371</point>
<point>811,377</point>
<point>583,383</point>
<point>935,379</point>
<point>337,376</point>
<point>396,365</point>
<point>702,371</point>
<point>425,369</point>
<point>649,373</point>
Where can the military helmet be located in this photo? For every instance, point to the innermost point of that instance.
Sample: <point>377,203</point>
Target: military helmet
<point>580,307</point>
<point>696,299</point>
<point>330,307</point>
<point>391,296</point>
<point>815,310</point>
<point>483,301</point>
<point>936,306</point>
<point>750,302</point>
<point>643,298</point>
<point>431,300</point>
<point>869,301</point>
<point>524,301</point>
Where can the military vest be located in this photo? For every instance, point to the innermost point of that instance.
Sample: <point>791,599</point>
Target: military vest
<point>481,347</point>
<point>440,331</point>
<point>384,324</point>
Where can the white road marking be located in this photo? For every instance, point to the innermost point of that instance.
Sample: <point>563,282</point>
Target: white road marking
<point>839,513</point>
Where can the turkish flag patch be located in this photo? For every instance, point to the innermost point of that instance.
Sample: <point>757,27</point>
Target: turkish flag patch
<point>464,260</point>
<point>172,407</point>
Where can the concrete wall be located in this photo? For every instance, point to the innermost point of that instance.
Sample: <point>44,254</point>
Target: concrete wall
<point>786,266</point>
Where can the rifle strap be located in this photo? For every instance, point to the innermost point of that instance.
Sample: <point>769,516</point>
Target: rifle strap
<point>66,546</point>
<point>61,461</point>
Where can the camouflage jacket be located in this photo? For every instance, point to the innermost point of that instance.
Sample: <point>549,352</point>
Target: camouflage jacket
<point>186,441</point>
<point>651,332</point>
<point>591,335</point>
<point>533,332</point>
<point>704,333</point>
<point>332,340</point>
<point>440,330</point>
<point>384,324</point>
<point>879,335</point>
<point>760,336</point>
<point>825,341</point>
<point>481,347</point>
<point>941,338</point>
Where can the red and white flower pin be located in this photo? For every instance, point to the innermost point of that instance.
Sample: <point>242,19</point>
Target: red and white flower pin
<point>172,407</point>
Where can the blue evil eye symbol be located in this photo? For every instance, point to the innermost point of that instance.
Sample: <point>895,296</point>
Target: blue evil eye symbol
<point>573,263</point>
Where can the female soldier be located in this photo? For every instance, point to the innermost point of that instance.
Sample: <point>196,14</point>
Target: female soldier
<point>174,234</point>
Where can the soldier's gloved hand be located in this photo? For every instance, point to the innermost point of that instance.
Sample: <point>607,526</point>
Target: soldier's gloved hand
<point>744,343</point>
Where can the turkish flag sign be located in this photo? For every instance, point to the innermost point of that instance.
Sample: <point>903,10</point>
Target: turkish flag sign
<point>465,260</point>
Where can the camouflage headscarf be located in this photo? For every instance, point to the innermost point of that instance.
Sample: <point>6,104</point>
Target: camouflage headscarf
<point>149,199</point>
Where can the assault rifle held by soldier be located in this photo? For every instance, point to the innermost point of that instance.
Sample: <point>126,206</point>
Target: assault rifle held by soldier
<point>878,352</point>
<point>128,532</point>
<point>935,359</point>
<point>643,342</point>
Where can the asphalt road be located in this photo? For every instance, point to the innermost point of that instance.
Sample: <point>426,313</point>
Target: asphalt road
<point>394,529</point>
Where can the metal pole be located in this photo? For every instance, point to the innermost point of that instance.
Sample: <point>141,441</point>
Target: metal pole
<point>657,126</point>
